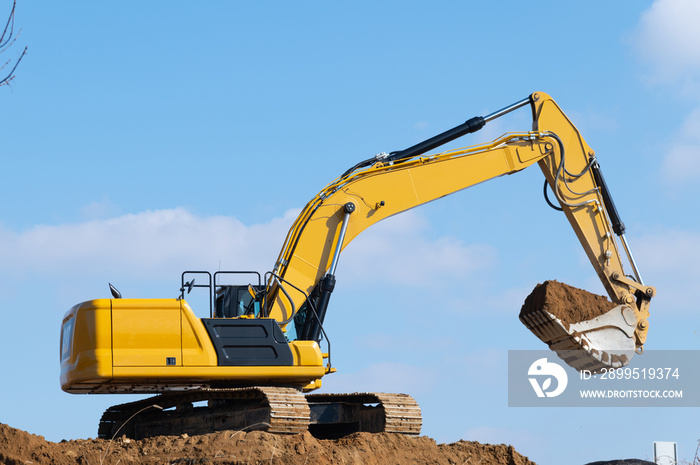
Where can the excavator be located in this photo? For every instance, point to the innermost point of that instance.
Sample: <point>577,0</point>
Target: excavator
<point>253,363</point>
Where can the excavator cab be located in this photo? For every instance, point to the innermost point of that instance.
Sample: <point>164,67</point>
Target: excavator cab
<point>237,300</point>
<point>225,299</point>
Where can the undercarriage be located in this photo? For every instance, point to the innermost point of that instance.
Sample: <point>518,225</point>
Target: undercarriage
<point>274,409</point>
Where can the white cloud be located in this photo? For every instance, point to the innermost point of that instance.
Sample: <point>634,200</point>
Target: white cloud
<point>682,160</point>
<point>100,209</point>
<point>154,243</point>
<point>670,263</point>
<point>668,39</point>
<point>670,251</point>
<point>681,163</point>
<point>145,243</point>
<point>398,250</point>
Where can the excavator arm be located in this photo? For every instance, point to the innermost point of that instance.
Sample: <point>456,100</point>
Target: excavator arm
<point>303,279</point>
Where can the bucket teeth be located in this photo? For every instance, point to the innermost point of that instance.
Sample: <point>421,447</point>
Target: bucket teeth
<point>596,345</point>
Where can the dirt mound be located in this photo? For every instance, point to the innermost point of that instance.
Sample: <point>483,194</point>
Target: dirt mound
<point>239,448</point>
<point>567,303</point>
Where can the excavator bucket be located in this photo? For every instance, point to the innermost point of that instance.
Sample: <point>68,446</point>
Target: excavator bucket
<point>585,330</point>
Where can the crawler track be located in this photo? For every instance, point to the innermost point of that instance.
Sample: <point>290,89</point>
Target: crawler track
<point>273,409</point>
<point>370,411</point>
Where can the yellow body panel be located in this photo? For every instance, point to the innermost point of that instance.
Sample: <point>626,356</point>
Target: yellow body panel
<point>196,345</point>
<point>86,344</point>
<point>146,345</point>
<point>146,332</point>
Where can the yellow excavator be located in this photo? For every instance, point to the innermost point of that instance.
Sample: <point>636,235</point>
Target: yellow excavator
<point>251,363</point>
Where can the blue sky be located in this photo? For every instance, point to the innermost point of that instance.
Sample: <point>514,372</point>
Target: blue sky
<point>145,138</point>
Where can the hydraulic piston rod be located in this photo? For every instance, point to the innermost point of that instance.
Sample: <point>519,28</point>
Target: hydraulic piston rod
<point>469,126</point>
<point>348,208</point>
<point>328,282</point>
<point>508,109</point>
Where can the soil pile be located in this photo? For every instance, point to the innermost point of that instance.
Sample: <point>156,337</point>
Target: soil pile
<point>569,304</point>
<point>239,448</point>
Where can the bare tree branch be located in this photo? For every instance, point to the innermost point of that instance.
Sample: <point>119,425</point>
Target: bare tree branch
<point>7,39</point>
<point>9,25</point>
